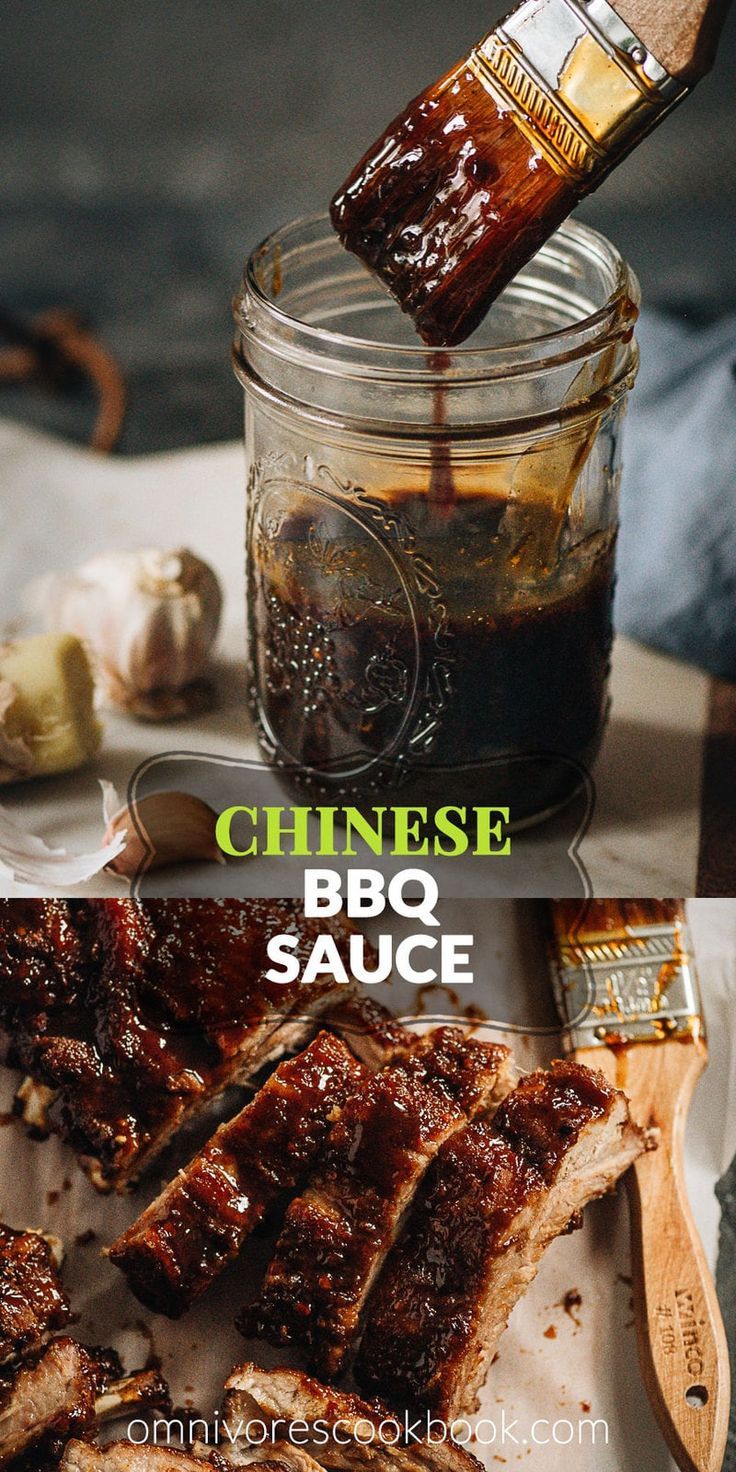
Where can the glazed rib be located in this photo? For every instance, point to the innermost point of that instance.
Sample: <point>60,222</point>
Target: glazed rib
<point>134,1016</point>
<point>50,1399</point>
<point>32,1300</point>
<point>201,1221</point>
<point>337,1233</point>
<point>496,1198</point>
<point>281,1395</point>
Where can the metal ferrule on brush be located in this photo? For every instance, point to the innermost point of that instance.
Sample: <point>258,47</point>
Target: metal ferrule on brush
<point>635,986</point>
<point>582,86</point>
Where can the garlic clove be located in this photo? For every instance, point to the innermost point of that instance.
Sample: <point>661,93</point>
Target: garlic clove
<point>161,829</point>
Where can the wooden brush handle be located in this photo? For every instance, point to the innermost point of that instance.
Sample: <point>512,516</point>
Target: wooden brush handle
<point>682,1342</point>
<point>682,34</point>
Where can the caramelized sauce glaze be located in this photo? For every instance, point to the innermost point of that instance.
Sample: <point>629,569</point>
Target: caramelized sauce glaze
<point>449,204</point>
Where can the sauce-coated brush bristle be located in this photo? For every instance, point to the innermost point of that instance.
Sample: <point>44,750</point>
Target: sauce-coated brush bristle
<point>449,204</point>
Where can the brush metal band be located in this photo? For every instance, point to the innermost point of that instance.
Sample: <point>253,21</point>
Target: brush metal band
<point>580,83</point>
<point>632,987</point>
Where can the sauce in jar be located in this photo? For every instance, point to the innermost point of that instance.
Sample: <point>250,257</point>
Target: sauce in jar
<point>518,666</point>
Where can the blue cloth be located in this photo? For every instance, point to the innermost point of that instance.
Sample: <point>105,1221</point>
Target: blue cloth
<point>677,552</point>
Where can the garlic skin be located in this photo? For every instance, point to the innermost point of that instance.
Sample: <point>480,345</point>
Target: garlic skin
<point>149,620</point>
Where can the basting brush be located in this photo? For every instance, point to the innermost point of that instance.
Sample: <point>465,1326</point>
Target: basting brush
<point>627,992</point>
<point>466,185</point>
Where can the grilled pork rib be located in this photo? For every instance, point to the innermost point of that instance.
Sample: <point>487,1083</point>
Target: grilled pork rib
<point>32,1301</point>
<point>497,1196</point>
<point>337,1233</point>
<point>134,1016</point>
<point>200,1222</point>
<point>48,1400</point>
<point>278,1396</point>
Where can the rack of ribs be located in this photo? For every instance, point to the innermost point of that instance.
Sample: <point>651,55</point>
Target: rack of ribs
<point>133,1016</point>
<point>33,1303</point>
<point>203,1218</point>
<point>370,1439</point>
<point>337,1234</point>
<point>497,1196</point>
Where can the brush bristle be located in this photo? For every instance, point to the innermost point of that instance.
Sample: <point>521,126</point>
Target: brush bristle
<point>449,204</point>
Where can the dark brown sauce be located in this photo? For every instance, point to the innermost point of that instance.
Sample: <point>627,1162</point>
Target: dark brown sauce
<point>572,1303</point>
<point>442,490</point>
<point>449,204</point>
<point>520,669</point>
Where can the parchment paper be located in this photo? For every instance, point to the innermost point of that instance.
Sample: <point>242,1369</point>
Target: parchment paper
<point>552,1365</point>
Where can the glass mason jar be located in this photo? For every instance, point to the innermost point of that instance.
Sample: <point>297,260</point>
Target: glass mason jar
<point>431,535</point>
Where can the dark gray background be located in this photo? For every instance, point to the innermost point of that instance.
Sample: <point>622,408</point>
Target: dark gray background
<point>146,146</point>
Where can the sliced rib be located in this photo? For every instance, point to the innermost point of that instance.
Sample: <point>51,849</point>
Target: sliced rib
<point>201,1221</point>
<point>497,1196</point>
<point>278,1396</point>
<point>337,1233</point>
<point>32,1301</point>
<point>48,1400</point>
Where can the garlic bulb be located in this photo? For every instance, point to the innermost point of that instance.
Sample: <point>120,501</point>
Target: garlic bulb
<point>149,620</point>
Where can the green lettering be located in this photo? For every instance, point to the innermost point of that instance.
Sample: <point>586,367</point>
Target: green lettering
<point>454,831</point>
<point>223,833</point>
<point>406,832</point>
<point>276,831</point>
<point>487,832</point>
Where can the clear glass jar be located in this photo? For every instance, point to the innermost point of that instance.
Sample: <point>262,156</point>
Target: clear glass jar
<point>430,536</point>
